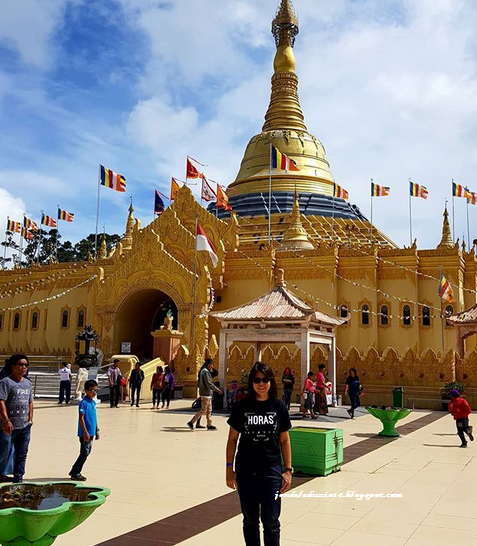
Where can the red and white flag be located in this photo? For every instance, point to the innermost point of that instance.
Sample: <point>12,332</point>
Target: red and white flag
<point>202,242</point>
<point>208,193</point>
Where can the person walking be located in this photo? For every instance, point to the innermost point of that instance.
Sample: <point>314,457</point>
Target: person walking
<point>114,381</point>
<point>307,394</point>
<point>460,410</point>
<point>88,429</point>
<point>16,416</point>
<point>206,388</point>
<point>157,386</point>
<point>352,388</point>
<point>288,381</point>
<point>135,381</point>
<point>321,405</point>
<point>168,387</point>
<point>65,383</point>
<point>262,422</point>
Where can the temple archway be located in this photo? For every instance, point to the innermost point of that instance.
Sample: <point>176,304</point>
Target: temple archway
<point>141,313</point>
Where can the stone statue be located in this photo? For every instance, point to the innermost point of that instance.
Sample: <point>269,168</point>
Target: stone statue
<point>168,321</point>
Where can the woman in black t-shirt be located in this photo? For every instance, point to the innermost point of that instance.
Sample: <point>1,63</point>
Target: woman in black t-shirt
<point>352,388</point>
<point>262,422</point>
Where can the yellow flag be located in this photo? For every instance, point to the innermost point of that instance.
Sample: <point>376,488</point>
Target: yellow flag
<point>174,188</point>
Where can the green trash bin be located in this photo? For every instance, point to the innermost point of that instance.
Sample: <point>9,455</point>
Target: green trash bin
<point>316,451</point>
<point>398,397</point>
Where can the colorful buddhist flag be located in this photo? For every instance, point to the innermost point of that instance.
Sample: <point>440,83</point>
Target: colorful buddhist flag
<point>47,220</point>
<point>29,224</point>
<point>472,200</point>
<point>379,191</point>
<point>282,162</point>
<point>202,242</point>
<point>445,289</point>
<point>207,192</point>
<point>66,216</point>
<point>26,234</point>
<point>222,199</point>
<point>460,191</point>
<point>339,192</point>
<point>191,170</point>
<point>174,188</point>
<point>159,206</point>
<point>112,180</point>
<point>14,227</point>
<point>416,190</point>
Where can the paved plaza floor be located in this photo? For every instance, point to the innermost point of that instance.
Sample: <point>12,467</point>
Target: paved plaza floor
<point>160,471</point>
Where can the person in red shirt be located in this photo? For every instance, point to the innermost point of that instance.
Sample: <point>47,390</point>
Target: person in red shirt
<point>308,392</point>
<point>321,405</point>
<point>460,409</point>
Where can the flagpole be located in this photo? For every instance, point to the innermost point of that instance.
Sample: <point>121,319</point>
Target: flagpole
<point>468,222</point>
<point>194,291</point>
<point>97,216</point>
<point>410,214</point>
<point>371,226</point>
<point>442,313</point>
<point>38,249</point>
<point>5,247</point>
<point>453,212</point>
<point>270,199</point>
<point>333,215</point>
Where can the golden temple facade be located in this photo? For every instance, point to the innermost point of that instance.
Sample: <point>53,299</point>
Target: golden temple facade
<point>332,257</point>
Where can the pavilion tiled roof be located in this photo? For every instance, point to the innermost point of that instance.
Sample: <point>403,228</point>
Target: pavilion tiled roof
<point>279,304</point>
<point>464,317</point>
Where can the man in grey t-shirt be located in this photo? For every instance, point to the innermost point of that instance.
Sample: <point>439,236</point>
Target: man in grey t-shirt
<point>16,416</point>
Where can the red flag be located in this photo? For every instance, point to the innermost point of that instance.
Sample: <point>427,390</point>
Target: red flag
<point>207,192</point>
<point>191,169</point>
<point>202,242</point>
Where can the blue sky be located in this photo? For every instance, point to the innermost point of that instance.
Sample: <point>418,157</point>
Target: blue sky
<point>389,87</point>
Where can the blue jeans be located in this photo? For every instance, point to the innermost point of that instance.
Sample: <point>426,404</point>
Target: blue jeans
<point>19,440</point>
<point>287,395</point>
<point>257,490</point>
<point>65,391</point>
<point>85,450</point>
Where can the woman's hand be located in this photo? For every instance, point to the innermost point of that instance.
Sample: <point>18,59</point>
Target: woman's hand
<point>286,481</point>
<point>230,478</point>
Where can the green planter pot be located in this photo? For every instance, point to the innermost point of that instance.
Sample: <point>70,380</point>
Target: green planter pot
<point>40,527</point>
<point>389,418</point>
<point>316,451</point>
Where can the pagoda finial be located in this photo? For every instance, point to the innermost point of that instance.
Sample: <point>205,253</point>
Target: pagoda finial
<point>446,240</point>
<point>285,25</point>
<point>284,112</point>
<point>127,240</point>
<point>103,249</point>
<point>296,236</point>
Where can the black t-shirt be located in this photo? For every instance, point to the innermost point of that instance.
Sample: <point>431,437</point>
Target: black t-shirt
<point>259,425</point>
<point>353,384</point>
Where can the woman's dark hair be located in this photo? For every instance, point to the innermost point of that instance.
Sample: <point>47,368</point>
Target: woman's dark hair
<point>310,374</point>
<point>267,372</point>
<point>355,372</point>
<point>208,361</point>
<point>160,368</point>
<point>167,369</point>
<point>16,358</point>
<point>321,367</point>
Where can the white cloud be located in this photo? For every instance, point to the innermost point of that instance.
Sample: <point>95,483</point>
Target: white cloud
<point>29,25</point>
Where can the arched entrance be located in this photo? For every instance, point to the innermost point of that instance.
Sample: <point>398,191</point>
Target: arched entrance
<point>140,314</point>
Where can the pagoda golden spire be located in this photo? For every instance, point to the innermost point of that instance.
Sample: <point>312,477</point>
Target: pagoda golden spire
<point>285,111</point>
<point>446,240</point>
<point>296,236</point>
<point>103,249</point>
<point>127,240</point>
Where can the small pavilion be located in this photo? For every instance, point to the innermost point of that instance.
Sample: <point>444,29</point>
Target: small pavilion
<point>278,317</point>
<point>465,324</point>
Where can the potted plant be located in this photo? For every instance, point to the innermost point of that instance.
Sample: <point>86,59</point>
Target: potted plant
<point>445,393</point>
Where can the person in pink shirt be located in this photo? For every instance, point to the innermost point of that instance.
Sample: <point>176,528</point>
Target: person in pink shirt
<point>308,392</point>
<point>320,406</point>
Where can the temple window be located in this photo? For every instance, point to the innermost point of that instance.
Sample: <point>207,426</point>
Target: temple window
<point>426,316</point>
<point>80,322</point>
<point>384,317</point>
<point>406,315</point>
<point>343,311</point>
<point>449,310</point>
<point>34,321</point>
<point>16,321</point>
<point>365,315</point>
<point>65,317</point>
